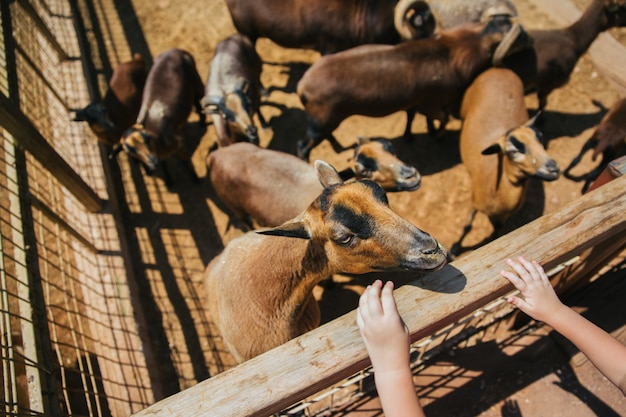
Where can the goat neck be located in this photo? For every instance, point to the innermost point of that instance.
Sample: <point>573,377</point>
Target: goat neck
<point>595,19</point>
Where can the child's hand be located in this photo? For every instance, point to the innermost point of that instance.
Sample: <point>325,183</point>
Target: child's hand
<point>382,329</point>
<point>539,299</point>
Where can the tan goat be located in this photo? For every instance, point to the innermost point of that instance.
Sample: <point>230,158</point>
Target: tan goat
<point>260,287</point>
<point>271,187</point>
<point>499,147</point>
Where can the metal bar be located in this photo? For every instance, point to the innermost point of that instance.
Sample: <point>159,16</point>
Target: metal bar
<point>30,10</point>
<point>18,125</point>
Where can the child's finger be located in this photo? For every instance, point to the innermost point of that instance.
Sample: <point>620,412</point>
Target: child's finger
<point>518,302</point>
<point>373,299</point>
<point>363,304</point>
<point>514,279</point>
<point>359,319</point>
<point>519,268</point>
<point>387,299</point>
<point>530,268</point>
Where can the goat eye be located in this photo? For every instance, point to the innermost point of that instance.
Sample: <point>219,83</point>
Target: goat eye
<point>345,239</point>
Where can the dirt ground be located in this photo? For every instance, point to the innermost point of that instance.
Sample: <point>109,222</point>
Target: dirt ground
<point>440,206</point>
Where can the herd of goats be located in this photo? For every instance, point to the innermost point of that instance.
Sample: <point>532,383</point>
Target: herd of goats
<point>473,59</point>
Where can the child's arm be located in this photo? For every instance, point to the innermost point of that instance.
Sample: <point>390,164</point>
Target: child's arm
<point>541,303</point>
<point>387,343</point>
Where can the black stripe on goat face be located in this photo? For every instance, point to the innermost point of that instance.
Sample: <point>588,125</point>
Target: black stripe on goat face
<point>355,224</point>
<point>367,164</point>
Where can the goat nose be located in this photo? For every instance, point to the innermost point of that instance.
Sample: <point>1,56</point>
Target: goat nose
<point>429,245</point>
<point>407,171</point>
<point>552,166</point>
<point>252,134</point>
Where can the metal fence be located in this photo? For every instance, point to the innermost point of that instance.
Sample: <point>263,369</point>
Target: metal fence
<point>70,343</point>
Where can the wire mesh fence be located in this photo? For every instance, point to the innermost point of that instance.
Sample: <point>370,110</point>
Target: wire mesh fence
<point>70,341</point>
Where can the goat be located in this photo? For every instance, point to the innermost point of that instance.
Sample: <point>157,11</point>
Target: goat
<point>327,26</point>
<point>118,110</point>
<point>260,287</point>
<point>172,88</point>
<point>271,187</point>
<point>549,63</point>
<point>424,75</point>
<point>607,139</point>
<point>452,13</point>
<point>500,148</point>
<point>233,90</point>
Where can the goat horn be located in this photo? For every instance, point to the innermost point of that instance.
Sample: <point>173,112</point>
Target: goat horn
<point>212,104</point>
<point>499,9</point>
<point>507,42</point>
<point>400,12</point>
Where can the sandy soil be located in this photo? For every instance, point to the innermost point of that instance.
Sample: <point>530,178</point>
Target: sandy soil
<point>439,207</point>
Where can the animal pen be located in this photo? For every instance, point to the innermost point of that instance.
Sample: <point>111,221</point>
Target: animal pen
<point>85,331</point>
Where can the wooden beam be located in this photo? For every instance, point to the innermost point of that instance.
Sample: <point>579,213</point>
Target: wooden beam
<point>608,55</point>
<point>27,136</point>
<point>304,366</point>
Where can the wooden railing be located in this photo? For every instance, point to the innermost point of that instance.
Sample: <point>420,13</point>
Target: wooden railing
<point>304,366</point>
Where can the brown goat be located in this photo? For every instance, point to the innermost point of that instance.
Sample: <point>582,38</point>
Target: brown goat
<point>549,63</point>
<point>260,287</point>
<point>327,26</point>
<point>500,148</point>
<point>172,88</point>
<point>118,110</point>
<point>271,187</point>
<point>607,139</point>
<point>233,90</point>
<point>425,75</point>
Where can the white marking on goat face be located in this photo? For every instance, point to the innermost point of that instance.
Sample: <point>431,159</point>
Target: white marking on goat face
<point>157,110</point>
<point>137,143</point>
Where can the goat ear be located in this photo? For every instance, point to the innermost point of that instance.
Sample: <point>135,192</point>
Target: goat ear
<point>495,148</point>
<point>117,148</point>
<point>533,119</point>
<point>327,174</point>
<point>291,229</point>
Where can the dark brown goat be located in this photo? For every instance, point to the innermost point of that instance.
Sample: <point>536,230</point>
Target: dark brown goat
<point>549,63</point>
<point>425,75</point>
<point>271,187</point>
<point>172,88</point>
<point>118,110</point>
<point>233,90</point>
<point>261,286</point>
<point>327,26</point>
<point>607,139</point>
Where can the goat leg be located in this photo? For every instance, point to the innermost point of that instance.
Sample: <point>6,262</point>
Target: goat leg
<point>410,116</point>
